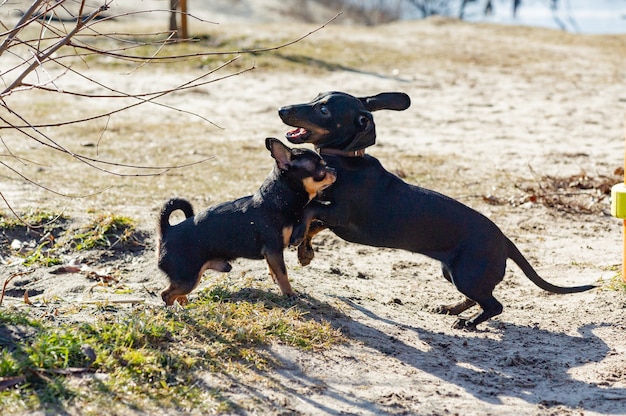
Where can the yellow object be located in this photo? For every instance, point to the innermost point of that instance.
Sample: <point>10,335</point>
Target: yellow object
<point>618,201</point>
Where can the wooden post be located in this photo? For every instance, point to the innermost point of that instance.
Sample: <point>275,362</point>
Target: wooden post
<point>175,5</point>
<point>183,19</point>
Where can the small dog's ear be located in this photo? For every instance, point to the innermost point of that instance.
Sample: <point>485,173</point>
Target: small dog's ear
<point>397,101</point>
<point>280,152</point>
<point>269,141</point>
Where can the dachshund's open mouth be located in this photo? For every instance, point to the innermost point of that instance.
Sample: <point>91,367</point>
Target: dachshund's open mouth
<point>298,135</point>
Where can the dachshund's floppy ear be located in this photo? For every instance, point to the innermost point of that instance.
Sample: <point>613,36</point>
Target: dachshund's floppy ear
<point>280,152</point>
<point>397,101</point>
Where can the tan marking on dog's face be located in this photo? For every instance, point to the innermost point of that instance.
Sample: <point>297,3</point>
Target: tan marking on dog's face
<point>313,187</point>
<point>318,130</point>
<point>287,235</point>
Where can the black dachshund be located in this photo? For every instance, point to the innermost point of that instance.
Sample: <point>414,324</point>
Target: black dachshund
<point>371,206</point>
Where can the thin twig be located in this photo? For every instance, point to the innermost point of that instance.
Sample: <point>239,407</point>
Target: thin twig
<point>22,23</point>
<point>141,100</point>
<point>11,277</point>
<point>37,184</point>
<point>201,54</point>
<point>52,49</point>
<point>88,160</point>
<point>26,223</point>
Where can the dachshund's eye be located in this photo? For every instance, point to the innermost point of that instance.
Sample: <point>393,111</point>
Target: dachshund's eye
<point>324,110</point>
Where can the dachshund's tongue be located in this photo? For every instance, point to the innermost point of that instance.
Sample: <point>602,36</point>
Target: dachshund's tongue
<point>295,133</point>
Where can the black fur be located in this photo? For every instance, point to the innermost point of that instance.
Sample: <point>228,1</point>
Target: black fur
<point>371,206</point>
<point>256,226</point>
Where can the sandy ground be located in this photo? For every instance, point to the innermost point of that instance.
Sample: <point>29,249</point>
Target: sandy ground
<point>521,105</point>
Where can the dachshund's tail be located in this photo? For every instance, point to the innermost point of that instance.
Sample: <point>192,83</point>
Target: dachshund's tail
<point>520,260</point>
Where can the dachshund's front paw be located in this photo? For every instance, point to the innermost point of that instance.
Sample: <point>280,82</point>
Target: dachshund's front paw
<point>305,253</point>
<point>464,324</point>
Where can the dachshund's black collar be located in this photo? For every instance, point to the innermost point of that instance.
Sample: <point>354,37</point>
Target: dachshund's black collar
<point>336,152</point>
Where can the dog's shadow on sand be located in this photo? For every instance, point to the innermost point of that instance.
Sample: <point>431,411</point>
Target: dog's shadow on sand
<point>521,362</point>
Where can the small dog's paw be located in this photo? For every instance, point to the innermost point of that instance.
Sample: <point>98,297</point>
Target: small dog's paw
<point>168,298</point>
<point>291,295</point>
<point>459,323</point>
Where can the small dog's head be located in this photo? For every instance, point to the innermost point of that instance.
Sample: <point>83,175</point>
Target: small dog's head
<point>337,120</point>
<point>302,165</point>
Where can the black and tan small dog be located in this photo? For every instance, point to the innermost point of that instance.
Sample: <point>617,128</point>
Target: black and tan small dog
<point>256,226</point>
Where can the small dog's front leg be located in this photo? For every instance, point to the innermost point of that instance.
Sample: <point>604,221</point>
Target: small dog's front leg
<point>278,271</point>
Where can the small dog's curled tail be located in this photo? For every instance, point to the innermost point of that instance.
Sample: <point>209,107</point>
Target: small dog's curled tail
<point>169,207</point>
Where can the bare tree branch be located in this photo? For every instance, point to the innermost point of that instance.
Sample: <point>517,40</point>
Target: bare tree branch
<point>202,54</point>
<point>39,61</point>
<point>40,57</point>
<point>140,97</point>
<point>23,22</point>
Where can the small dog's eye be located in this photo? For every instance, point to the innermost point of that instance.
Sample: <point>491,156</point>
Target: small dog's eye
<point>324,110</point>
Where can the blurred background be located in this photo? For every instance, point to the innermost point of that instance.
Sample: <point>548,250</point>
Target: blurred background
<point>578,16</point>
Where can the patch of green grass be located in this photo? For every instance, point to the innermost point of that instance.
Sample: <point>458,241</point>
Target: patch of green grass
<point>36,229</point>
<point>616,282</point>
<point>44,237</point>
<point>42,255</point>
<point>104,231</point>
<point>153,357</point>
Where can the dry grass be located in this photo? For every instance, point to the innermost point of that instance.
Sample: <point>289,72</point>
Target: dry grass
<point>152,359</point>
